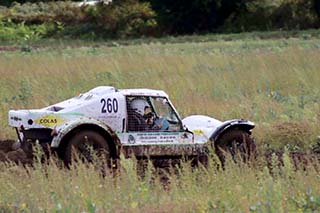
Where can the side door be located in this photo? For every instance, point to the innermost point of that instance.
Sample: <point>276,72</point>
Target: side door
<point>161,132</point>
<point>112,111</point>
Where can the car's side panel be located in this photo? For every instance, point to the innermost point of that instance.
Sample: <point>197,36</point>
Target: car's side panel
<point>105,112</point>
<point>158,150</point>
<point>108,109</point>
<point>69,127</point>
<point>155,138</point>
<point>111,109</point>
<point>156,144</point>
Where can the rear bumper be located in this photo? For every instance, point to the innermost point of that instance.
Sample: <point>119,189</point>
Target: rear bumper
<point>17,118</point>
<point>32,135</point>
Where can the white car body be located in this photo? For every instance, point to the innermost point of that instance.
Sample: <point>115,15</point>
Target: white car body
<point>105,108</point>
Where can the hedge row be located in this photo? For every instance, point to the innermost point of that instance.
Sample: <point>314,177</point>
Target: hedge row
<point>190,16</point>
<point>127,18</point>
<point>124,19</point>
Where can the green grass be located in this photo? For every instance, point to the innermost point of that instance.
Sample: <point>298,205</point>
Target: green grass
<point>238,188</point>
<point>213,37</point>
<point>274,83</point>
<point>271,82</point>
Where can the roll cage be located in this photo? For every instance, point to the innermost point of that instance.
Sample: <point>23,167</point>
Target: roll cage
<point>161,107</point>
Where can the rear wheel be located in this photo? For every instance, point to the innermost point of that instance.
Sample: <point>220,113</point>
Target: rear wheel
<point>87,146</point>
<point>237,144</point>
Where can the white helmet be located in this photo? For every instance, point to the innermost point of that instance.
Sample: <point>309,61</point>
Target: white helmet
<point>139,105</point>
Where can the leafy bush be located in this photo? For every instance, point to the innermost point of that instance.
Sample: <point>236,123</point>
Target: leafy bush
<point>21,32</point>
<point>188,16</point>
<point>269,14</point>
<point>38,13</point>
<point>295,14</point>
<point>125,18</point>
<point>8,3</point>
<point>121,19</point>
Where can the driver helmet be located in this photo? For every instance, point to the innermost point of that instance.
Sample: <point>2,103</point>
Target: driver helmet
<point>139,105</point>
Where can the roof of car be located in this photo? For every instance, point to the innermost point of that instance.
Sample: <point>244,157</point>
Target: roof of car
<point>143,92</point>
<point>128,92</point>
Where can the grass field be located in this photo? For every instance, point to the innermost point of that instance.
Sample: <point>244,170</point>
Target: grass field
<point>238,188</point>
<point>273,82</point>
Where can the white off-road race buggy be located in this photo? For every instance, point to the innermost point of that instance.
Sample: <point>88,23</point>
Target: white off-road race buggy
<point>134,122</point>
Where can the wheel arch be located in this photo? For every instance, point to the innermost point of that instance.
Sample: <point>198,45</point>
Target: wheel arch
<point>110,136</point>
<point>240,124</point>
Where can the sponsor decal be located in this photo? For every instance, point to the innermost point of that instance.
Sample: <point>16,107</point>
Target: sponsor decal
<point>49,121</point>
<point>131,139</point>
<point>157,137</point>
<point>16,118</point>
<point>198,131</point>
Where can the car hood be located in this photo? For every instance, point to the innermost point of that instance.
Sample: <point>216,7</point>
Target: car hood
<point>202,126</point>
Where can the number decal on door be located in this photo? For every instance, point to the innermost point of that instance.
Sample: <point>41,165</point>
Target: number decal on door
<point>109,105</point>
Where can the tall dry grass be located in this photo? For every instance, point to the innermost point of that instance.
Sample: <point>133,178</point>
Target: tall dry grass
<point>270,82</point>
<point>274,83</point>
<point>238,188</point>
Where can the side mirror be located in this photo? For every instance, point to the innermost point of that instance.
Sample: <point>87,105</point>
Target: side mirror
<point>188,131</point>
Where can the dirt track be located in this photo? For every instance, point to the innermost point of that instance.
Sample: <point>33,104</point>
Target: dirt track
<point>8,153</point>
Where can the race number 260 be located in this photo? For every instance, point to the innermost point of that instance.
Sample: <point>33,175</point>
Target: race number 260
<point>109,105</point>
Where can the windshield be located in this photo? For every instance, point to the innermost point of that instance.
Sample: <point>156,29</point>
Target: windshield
<point>163,109</point>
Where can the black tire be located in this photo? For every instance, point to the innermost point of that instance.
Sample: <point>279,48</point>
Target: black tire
<point>86,145</point>
<point>237,144</point>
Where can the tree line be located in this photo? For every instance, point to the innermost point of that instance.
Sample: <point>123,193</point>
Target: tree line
<point>158,17</point>
<point>189,16</point>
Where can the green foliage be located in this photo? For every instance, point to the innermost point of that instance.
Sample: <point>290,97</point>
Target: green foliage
<point>236,15</point>
<point>47,187</point>
<point>126,18</point>
<point>123,19</point>
<point>43,12</point>
<point>22,32</point>
<point>187,16</point>
<point>317,8</point>
<point>268,81</point>
<point>25,92</point>
<point>269,14</point>
<point>8,3</point>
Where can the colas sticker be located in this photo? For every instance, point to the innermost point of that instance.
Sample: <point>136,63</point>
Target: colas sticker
<point>49,121</point>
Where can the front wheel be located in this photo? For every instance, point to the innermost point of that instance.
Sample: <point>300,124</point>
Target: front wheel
<point>237,144</point>
<point>87,146</point>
